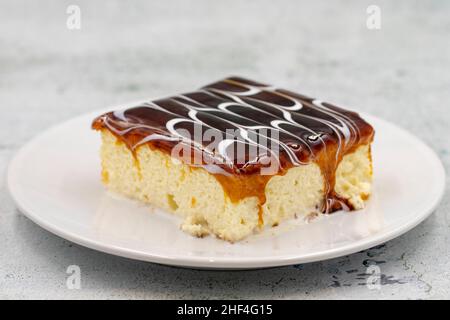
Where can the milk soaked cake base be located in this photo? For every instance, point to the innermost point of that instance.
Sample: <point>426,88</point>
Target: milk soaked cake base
<point>198,197</point>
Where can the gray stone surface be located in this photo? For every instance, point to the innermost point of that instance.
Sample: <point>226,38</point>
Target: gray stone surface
<point>124,52</point>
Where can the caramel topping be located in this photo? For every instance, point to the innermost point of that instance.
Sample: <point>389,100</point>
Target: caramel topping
<point>252,128</point>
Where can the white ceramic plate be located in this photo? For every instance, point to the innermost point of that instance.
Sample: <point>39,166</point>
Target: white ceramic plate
<point>55,181</point>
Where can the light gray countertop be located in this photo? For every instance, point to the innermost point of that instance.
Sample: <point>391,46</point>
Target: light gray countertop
<point>145,49</point>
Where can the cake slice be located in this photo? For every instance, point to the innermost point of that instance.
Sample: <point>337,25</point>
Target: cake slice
<point>236,156</point>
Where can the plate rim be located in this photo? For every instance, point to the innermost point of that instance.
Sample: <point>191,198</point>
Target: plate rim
<point>221,262</point>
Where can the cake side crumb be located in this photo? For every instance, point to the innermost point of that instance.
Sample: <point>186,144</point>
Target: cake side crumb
<point>196,195</point>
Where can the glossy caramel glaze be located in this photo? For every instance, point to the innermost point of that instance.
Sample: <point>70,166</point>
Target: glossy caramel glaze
<point>288,128</point>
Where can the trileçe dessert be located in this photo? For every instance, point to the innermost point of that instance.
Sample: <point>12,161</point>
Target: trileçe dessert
<point>236,156</point>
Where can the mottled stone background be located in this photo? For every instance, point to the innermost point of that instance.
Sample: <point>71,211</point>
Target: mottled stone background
<point>130,50</point>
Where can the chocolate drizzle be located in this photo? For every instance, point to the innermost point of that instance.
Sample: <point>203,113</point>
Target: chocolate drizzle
<point>306,130</point>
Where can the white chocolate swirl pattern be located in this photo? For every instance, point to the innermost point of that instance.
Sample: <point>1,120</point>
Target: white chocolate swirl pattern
<point>244,126</point>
